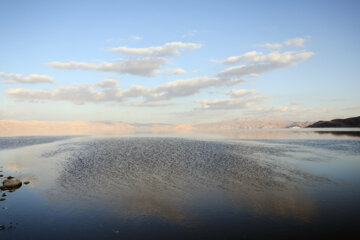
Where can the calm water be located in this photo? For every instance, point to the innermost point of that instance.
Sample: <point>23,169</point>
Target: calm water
<point>282,184</point>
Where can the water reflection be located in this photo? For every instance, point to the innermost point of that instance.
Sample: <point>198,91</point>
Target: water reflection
<point>167,176</point>
<point>307,133</point>
<point>341,133</point>
<point>131,187</point>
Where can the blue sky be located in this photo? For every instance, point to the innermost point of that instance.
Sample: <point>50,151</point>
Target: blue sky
<point>168,62</point>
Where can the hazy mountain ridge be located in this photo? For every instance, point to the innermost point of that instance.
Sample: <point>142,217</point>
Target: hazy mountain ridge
<point>251,123</point>
<point>16,127</point>
<point>26,128</point>
<point>337,123</point>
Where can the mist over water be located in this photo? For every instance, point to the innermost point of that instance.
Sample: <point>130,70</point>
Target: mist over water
<point>173,187</point>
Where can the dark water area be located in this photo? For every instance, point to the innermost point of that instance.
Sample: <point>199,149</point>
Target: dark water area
<point>16,142</point>
<point>182,187</point>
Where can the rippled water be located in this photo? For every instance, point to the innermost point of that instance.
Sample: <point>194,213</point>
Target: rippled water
<point>136,187</point>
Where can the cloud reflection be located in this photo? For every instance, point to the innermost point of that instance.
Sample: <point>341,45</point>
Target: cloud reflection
<point>164,177</point>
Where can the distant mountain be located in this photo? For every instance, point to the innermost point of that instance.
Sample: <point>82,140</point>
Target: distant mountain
<point>22,128</point>
<point>251,123</point>
<point>26,128</point>
<point>337,123</point>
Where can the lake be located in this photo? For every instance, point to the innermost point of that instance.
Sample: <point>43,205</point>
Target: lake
<point>245,184</point>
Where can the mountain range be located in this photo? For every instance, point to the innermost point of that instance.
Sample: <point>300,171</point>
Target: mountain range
<point>16,127</point>
<point>337,123</point>
<point>251,123</point>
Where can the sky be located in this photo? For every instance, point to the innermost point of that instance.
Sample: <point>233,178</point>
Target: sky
<point>179,61</point>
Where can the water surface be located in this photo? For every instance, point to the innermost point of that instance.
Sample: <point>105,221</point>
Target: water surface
<point>277,184</point>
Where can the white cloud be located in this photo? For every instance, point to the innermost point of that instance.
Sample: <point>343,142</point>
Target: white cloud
<point>241,93</point>
<point>108,83</point>
<point>176,71</point>
<point>31,79</point>
<point>77,94</point>
<point>168,49</point>
<point>108,90</point>
<point>149,104</point>
<point>274,57</point>
<point>260,63</point>
<point>294,42</point>
<point>273,45</point>
<point>187,87</point>
<point>148,66</point>
<point>229,103</point>
<point>111,91</point>
<point>252,56</point>
<point>240,99</point>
